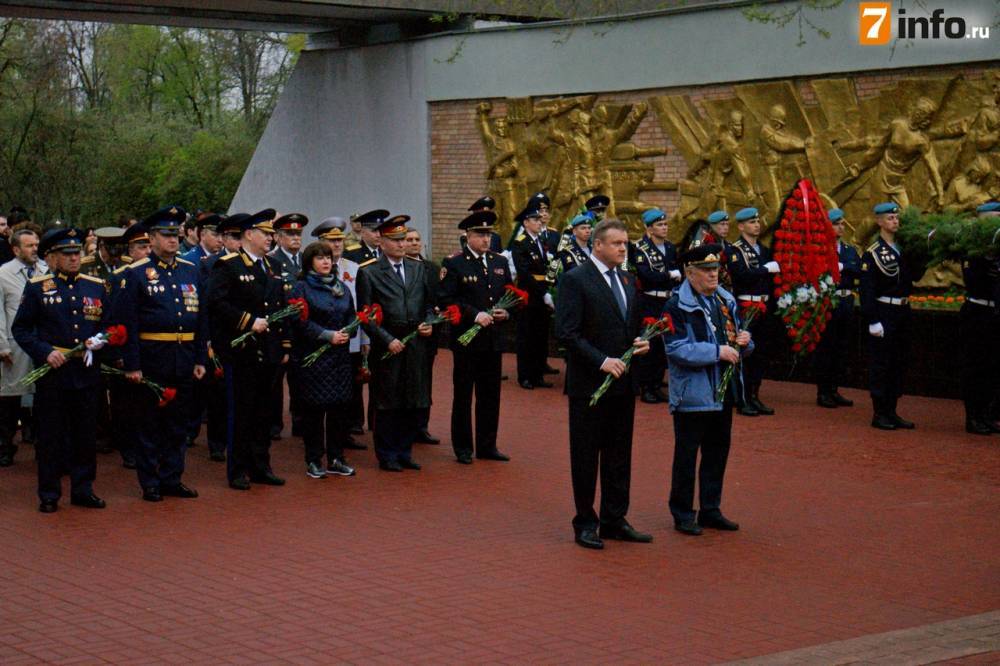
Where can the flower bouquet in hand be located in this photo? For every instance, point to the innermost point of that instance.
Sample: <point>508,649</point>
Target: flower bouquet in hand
<point>296,306</point>
<point>450,314</point>
<point>652,327</point>
<point>369,314</point>
<point>512,298</point>
<point>164,394</point>
<point>114,336</point>
<point>750,311</point>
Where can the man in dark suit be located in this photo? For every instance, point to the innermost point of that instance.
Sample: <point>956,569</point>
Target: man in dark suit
<point>288,255</point>
<point>597,320</point>
<point>475,281</point>
<point>400,386</point>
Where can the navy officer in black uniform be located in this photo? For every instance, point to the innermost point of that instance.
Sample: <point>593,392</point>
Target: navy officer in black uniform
<point>475,281</point>
<point>160,305</point>
<point>886,283</point>
<point>831,353</point>
<point>243,289</point>
<point>751,266</point>
<point>531,259</point>
<point>367,251</point>
<point>481,204</point>
<point>657,271</point>
<point>58,311</point>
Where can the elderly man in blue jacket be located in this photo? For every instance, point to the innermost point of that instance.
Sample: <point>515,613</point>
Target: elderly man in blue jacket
<point>706,341</point>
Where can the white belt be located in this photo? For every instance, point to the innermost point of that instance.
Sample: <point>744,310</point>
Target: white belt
<point>658,294</point>
<point>981,301</point>
<point>754,299</point>
<point>844,293</point>
<point>893,301</point>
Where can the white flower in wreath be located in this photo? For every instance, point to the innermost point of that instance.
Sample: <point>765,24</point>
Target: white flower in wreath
<point>801,295</point>
<point>785,301</point>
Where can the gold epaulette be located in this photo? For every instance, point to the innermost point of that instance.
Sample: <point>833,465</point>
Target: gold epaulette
<point>85,276</point>
<point>871,248</point>
<point>352,247</point>
<point>120,269</point>
<point>370,261</point>
<point>39,278</point>
<point>227,257</point>
<point>88,260</point>
<point>519,237</point>
<point>184,261</point>
<point>141,262</point>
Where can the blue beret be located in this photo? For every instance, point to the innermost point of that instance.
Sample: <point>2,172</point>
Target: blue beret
<point>744,214</point>
<point>65,239</point>
<point>583,218</point>
<point>888,207</point>
<point>653,215</point>
<point>718,216</point>
<point>166,219</point>
<point>835,215</point>
<point>989,207</point>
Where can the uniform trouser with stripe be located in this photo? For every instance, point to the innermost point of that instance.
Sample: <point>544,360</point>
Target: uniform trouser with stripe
<point>67,437</point>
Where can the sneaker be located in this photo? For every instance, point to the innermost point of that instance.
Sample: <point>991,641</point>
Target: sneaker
<point>314,471</point>
<point>340,468</point>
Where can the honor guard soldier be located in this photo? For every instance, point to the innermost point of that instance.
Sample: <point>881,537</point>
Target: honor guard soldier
<point>831,353</point>
<point>60,310</point>
<point>718,222</point>
<point>243,289</point>
<point>531,259</point>
<point>980,321</point>
<point>159,303</point>
<point>475,281</point>
<point>886,283</point>
<point>481,204</point>
<point>367,251</point>
<point>751,266</point>
<point>288,236</point>
<point>110,247</point>
<point>577,251</point>
<point>657,273</point>
<point>597,207</point>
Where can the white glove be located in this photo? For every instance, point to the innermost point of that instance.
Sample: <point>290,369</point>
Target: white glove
<point>772,267</point>
<point>675,274</point>
<point>548,301</point>
<point>840,266</point>
<point>92,344</point>
<point>876,330</point>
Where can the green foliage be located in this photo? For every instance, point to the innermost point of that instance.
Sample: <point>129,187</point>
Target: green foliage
<point>933,238</point>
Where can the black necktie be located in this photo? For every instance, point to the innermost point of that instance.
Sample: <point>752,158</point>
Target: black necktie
<point>616,290</point>
<point>295,260</point>
<point>399,271</point>
<point>31,271</point>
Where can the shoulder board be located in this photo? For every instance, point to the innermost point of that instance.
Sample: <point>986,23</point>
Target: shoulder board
<point>871,248</point>
<point>88,259</point>
<point>456,253</point>
<point>184,261</point>
<point>91,278</point>
<point>519,237</point>
<point>227,257</point>
<point>353,246</point>
<point>141,262</point>
<point>120,269</point>
<point>370,261</point>
<point>40,278</point>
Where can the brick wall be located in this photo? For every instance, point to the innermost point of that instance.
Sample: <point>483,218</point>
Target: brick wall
<point>458,164</point>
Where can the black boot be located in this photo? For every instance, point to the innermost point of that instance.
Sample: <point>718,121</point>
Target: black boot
<point>880,419</point>
<point>758,405</point>
<point>975,426</point>
<point>826,400</point>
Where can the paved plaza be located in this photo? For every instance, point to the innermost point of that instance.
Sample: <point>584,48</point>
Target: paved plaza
<point>856,546</point>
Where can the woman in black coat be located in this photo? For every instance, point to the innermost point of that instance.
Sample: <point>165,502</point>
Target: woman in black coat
<point>324,388</point>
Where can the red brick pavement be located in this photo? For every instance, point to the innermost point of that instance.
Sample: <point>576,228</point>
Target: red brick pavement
<point>847,531</point>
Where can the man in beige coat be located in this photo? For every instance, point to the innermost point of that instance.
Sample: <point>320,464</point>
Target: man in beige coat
<point>14,362</point>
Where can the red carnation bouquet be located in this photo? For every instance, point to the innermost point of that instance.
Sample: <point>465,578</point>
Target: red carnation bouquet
<point>114,336</point>
<point>450,314</point>
<point>512,298</point>
<point>749,310</point>
<point>653,327</point>
<point>369,314</point>
<point>805,247</point>
<point>296,306</point>
<point>164,394</point>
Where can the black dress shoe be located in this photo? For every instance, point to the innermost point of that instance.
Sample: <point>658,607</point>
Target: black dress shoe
<point>424,437</point>
<point>217,456</point>
<point>90,501</point>
<point>525,384</point>
<point>902,423</point>
<point>549,370</point>
<point>357,430</point>
<point>977,427</point>
<point>275,433</point>
<point>761,407</point>
<point>407,463</point>
<point>352,443</point>
<point>883,422</point>
<point>6,459</point>
<point>543,384</point>
<point>464,457</point>
<point>104,446</point>
<point>268,478</point>
<point>152,495</point>
<point>826,400</point>
<point>719,522</point>
<point>48,506</point>
<point>493,455</point>
<point>589,539</point>
<point>625,533</point>
<point>688,527</point>
<point>128,461</point>
<point>994,426</point>
<point>841,400</point>
<point>240,483</point>
<point>650,398</point>
<point>747,410</point>
<point>390,466</point>
<point>180,490</point>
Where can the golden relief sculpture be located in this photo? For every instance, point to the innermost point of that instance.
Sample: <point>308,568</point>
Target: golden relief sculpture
<point>933,142</point>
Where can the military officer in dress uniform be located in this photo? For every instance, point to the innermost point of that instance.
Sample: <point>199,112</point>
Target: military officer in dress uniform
<point>751,266</point>
<point>831,353</point>
<point>886,283</point>
<point>597,206</point>
<point>159,303</point>
<point>577,251</point>
<point>243,289</point>
<point>718,222</point>
<point>531,259</point>
<point>287,254</point>
<point>367,251</point>
<point>475,281</point>
<point>485,203</point>
<point>353,236</point>
<point>209,239</point>
<point>60,310</point>
<point>110,247</point>
<point>980,321</point>
<point>136,243</point>
<point>657,273</point>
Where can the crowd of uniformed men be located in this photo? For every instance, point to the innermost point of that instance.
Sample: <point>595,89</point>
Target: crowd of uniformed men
<point>186,286</point>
